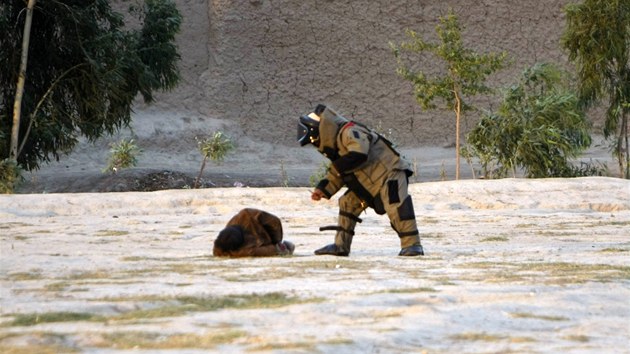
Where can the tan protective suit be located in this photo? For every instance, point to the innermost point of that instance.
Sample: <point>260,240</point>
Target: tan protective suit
<point>380,182</point>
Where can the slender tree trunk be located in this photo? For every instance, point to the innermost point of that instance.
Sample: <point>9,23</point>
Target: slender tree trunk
<point>19,91</point>
<point>458,110</point>
<point>203,165</point>
<point>625,155</point>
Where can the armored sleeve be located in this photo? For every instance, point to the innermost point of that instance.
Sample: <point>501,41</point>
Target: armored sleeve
<point>356,142</point>
<point>331,184</point>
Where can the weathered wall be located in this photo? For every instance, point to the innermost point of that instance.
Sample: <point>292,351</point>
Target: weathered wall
<point>264,62</point>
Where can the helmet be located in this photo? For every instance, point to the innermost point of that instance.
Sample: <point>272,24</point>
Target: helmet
<point>308,129</point>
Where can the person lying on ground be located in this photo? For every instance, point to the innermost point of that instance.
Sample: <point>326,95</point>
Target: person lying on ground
<point>252,233</point>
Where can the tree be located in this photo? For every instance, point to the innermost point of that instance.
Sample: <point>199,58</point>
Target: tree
<point>466,72</point>
<point>539,126</point>
<point>597,37</point>
<point>84,72</point>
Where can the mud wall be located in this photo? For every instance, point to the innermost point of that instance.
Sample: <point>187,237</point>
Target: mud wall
<point>264,62</point>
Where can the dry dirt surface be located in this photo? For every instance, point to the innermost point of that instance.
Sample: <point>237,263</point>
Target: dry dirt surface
<point>514,265</point>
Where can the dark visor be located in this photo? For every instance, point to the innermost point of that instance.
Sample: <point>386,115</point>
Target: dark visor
<point>302,134</point>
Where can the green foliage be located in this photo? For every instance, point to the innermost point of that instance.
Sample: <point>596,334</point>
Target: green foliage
<point>597,37</point>
<point>466,70</point>
<point>10,176</point>
<point>465,76</point>
<point>214,148</point>
<point>84,71</point>
<point>123,154</point>
<point>539,126</point>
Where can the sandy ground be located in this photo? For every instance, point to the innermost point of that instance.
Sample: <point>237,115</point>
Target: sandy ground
<point>514,265</point>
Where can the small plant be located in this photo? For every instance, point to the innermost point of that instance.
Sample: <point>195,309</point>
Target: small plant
<point>214,148</point>
<point>10,176</point>
<point>284,177</point>
<point>443,172</point>
<point>319,174</point>
<point>590,169</point>
<point>123,154</point>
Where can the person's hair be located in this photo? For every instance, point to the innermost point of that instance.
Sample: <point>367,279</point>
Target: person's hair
<point>230,238</point>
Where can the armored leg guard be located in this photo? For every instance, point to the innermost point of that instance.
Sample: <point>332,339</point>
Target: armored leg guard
<point>349,208</point>
<point>399,207</point>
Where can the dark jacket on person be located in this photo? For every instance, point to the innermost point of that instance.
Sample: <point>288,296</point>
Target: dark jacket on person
<point>262,235</point>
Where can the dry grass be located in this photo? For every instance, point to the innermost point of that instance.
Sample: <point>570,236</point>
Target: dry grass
<point>178,306</point>
<point>48,317</point>
<point>487,337</point>
<point>558,273</point>
<point>577,338</point>
<point>137,340</point>
<point>39,349</point>
<point>477,336</point>
<point>111,233</point>
<point>411,290</point>
<point>33,274</point>
<point>495,239</point>
<point>538,317</point>
<point>160,307</point>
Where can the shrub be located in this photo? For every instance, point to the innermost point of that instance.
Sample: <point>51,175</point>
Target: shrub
<point>539,126</point>
<point>123,154</point>
<point>214,148</point>
<point>10,176</point>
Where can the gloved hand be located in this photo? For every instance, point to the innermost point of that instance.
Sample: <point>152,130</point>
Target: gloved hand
<point>317,195</point>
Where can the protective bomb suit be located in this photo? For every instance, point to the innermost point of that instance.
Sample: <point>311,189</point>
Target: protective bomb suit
<point>373,171</point>
<point>252,233</point>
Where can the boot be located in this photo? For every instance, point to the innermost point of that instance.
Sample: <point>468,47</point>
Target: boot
<point>415,250</point>
<point>333,250</point>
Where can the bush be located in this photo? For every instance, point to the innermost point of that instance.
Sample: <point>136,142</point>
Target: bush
<point>10,176</point>
<point>123,154</point>
<point>538,128</point>
<point>214,148</point>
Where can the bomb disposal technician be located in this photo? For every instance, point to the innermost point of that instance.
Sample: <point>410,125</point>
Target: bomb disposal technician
<point>374,173</point>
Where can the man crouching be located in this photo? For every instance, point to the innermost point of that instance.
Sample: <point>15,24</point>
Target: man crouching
<point>252,233</point>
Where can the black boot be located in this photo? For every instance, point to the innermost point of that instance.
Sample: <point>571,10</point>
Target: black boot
<point>333,250</point>
<point>415,250</point>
